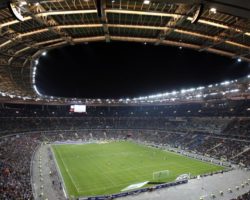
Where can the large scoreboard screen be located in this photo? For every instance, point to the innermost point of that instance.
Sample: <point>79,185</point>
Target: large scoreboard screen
<point>78,108</point>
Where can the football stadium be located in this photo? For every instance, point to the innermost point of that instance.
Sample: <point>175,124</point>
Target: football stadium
<point>124,99</point>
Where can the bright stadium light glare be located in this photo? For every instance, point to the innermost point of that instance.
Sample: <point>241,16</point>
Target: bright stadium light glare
<point>225,83</point>
<point>183,91</point>
<point>44,53</point>
<point>200,88</point>
<point>146,2</point>
<point>239,60</point>
<point>213,10</point>
<point>235,90</point>
<point>23,3</point>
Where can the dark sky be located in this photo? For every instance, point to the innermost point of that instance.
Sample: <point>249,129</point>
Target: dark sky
<point>119,69</point>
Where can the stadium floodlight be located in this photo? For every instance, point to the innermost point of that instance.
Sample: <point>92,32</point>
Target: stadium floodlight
<point>200,88</point>
<point>213,10</point>
<point>146,2</point>
<point>183,91</point>
<point>235,90</point>
<point>225,83</point>
<point>44,53</point>
<point>36,62</point>
<point>239,60</point>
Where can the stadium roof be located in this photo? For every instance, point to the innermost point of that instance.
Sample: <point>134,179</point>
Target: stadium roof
<point>220,27</point>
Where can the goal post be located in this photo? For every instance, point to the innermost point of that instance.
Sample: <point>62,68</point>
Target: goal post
<point>160,175</point>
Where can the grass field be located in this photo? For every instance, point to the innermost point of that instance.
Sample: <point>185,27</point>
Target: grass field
<point>97,169</point>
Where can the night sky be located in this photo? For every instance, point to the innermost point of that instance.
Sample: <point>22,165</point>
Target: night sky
<point>119,69</point>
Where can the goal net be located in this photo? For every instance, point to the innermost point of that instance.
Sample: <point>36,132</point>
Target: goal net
<point>160,175</point>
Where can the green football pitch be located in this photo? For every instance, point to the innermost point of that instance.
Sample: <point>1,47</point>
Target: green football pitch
<point>107,168</point>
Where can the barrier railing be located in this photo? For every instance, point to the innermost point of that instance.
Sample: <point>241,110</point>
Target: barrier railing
<point>134,192</point>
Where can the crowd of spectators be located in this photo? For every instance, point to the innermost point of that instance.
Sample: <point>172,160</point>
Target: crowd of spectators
<point>15,157</point>
<point>245,196</point>
<point>220,108</point>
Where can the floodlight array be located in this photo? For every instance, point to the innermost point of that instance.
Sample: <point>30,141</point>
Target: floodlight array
<point>214,91</point>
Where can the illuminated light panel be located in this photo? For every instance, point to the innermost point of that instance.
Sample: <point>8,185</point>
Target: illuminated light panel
<point>202,21</point>
<point>133,39</point>
<point>66,12</point>
<point>33,32</point>
<point>146,2</point>
<point>213,10</point>
<point>14,22</point>
<point>78,26</point>
<point>194,34</point>
<point>69,12</point>
<point>5,43</point>
<point>57,44</point>
<point>22,50</point>
<point>238,44</point>
<point>48,41</point>
<point>78,108</point>
<point>88,39</point>
<point>133,12</point>
<point>137,26</point>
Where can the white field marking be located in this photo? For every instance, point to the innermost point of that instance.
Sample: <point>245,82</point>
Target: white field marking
<point>58,169</point>
<point>67,171</point>
<point>120,184</point>
<point>129,168</point>
<point>102,187</point>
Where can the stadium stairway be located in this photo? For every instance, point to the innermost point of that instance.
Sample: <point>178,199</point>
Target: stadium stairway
<point>244,151</point>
